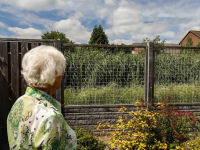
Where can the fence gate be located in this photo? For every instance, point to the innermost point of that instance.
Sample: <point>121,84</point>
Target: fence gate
<point>12,83</point>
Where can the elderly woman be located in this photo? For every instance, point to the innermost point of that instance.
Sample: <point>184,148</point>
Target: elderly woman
<point>35,120</point>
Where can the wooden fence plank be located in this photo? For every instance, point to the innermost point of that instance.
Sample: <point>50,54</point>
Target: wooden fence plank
<point>104,45</point>
<point>5,104</point>
<point>33,45</point>
<point>14,71</point>
<point>44,43</point>
<point>27,40</point>
<point>51,44</point>
<point>150,74</point>
<point>24,50</point>
<point>59,95</point>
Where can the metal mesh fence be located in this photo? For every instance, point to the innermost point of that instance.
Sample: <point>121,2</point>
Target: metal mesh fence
<point>108,75</point>
<point>177,75</point>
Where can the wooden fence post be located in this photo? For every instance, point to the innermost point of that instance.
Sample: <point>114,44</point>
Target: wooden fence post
<point>60,92</point>
<point>5,82</point>
<point>150,74</point>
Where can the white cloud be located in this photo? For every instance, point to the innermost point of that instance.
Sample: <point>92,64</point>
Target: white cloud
<point>73,29</point>
<point>175,41</point>
<point>3,36</point>
<point>38,5</point>
<point>24,23</point>
<point>124,16</point>
<point>167,34</point>
<point>109,2</point>
<point>29,33</point>
<point>102,13</point>
<point>2,25</point>
<point>119,41</point>
<point>196,28</point>
<point>140,36</point>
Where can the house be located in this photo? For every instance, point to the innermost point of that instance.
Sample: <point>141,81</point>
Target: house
<point>137,50</point>
<point>195,35</point>
<point>171,50</point>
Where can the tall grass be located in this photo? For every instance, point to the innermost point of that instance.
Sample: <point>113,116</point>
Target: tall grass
<point>97,76</point>
<point>98,67</point>
<point>113,94</point>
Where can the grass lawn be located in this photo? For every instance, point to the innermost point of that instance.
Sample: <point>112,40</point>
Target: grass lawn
<point>114,94</point>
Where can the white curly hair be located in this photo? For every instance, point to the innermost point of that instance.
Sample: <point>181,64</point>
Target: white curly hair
<point>41,66</point>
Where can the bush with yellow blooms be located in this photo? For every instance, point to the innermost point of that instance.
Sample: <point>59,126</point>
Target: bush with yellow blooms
<point>153,129</point>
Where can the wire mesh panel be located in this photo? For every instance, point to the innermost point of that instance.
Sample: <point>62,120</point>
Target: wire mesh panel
<point>177,74</point>
<point>108,75</point>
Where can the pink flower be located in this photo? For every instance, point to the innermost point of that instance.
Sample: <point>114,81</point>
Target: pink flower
<point>175,135</point>
<point>182,137</point>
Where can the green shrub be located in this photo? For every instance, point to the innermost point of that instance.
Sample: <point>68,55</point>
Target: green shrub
<point>193,144</point>
<point>174,127</point>
<point>88,141</point>
<point>153,129</point>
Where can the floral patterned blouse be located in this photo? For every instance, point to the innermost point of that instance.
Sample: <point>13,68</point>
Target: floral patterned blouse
<point>35,122</point>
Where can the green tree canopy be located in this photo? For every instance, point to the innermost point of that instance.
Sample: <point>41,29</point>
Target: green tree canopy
<point>156,42</point>
<point>56,35</point>
<point>189,42</point>
<point>98,36</point>
<point>198,45</point>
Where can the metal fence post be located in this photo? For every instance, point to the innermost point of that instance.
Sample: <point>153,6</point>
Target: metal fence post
<point>60,92</point>
<point>150,74</point>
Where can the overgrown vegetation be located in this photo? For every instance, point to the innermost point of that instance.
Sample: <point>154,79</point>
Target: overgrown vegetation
<point>159,128</point>
<point>156,42</point>
<point>101,77</point>
<point>113,94</point>
<point>88,141</point>
<point>99,67</point>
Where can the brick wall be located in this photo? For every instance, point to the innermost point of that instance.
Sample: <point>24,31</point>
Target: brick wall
<point>86,116</point>
<point>195,39</point>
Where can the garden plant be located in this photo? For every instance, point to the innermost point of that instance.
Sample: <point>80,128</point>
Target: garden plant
<point>159,127</point>
<point>102,76</point>
<point>88,141</point>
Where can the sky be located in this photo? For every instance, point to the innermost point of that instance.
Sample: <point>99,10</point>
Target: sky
<point>124,21</point>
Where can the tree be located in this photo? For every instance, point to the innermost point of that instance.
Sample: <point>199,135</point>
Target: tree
<point>156,42</point>
<point>198,45</point>
<point>56,35</point>
<point>116,50</point>
<point>189,42</point>
<point>98,36</point>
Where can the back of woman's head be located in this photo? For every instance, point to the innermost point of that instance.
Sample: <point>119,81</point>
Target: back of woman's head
<point>41,65</point>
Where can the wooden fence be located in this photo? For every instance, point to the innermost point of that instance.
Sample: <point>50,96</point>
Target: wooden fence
<point>12,83</point>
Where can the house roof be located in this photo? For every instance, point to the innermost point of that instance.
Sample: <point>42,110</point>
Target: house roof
<point>165,44</point>
<point>197,33</point>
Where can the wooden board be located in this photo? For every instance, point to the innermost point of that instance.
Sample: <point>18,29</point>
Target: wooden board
<point>24,50</point>
<point>14,71</point>
<point>5,104</point>
<point>33,45</point>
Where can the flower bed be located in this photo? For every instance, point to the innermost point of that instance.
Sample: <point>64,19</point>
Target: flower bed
<point>159,127</point>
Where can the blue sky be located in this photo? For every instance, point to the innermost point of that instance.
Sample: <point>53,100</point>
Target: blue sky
<point>124,21</point>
